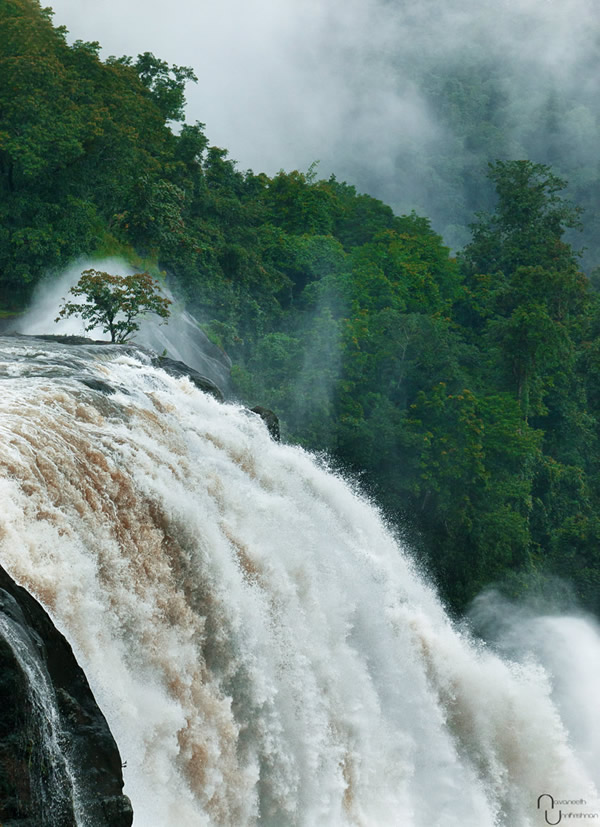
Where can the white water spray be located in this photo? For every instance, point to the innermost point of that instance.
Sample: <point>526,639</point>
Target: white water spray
<point>261,647</point>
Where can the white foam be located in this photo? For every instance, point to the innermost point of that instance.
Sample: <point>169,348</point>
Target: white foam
<point>263,649</point>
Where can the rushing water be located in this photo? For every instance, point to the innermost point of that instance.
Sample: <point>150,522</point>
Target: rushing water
<point>55,792</point>
<point>264,651</point>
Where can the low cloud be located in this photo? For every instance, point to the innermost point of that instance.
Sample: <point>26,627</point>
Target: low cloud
<point>360,84</point>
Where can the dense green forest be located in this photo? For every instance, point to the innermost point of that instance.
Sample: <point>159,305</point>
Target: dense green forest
<point>463,391</point>
<point>459,83</point>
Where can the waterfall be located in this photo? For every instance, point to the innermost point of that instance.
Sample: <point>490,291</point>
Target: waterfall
<point>263,648</point>
<point>53,779</point>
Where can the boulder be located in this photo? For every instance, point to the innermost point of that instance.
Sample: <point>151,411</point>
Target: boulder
<point>270,419</point>
<point>53,737</point>
<point>175,368</point>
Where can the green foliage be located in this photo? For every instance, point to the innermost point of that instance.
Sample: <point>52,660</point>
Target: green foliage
<point>528,223</point>
<point>299,205</point>
<point>166,84</point>
<point>109,297</point>
<point>463,391</point>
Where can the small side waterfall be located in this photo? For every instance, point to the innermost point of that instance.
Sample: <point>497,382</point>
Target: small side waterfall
<point>264,650</point>
<point>52,780</point>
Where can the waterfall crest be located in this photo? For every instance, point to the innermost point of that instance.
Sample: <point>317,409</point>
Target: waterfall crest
<point>263,649</point>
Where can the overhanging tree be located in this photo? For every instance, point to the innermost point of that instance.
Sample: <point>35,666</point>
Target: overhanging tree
<point>115,302</point>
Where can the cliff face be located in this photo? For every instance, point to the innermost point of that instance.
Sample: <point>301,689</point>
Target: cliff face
<point>58,759</point>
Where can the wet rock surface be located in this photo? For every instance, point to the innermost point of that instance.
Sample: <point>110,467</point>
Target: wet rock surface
<point>173,367</point>
<point>39,786</point>
<point>270,419</point>
<point>176,368</point>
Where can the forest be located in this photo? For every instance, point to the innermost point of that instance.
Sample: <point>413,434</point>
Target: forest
<point>461,390</point>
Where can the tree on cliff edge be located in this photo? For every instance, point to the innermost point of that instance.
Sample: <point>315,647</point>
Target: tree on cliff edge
<point>108,297</point>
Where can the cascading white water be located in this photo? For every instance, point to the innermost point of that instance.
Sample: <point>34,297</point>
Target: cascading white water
<point>261,646</point>
<point>55,792</point>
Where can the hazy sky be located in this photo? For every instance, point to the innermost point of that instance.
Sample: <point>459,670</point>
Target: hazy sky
<point>270,88</point>
<point>283,83</point>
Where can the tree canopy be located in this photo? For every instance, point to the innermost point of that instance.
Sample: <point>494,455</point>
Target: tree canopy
<point>115,303</point>
<point>527,225</point>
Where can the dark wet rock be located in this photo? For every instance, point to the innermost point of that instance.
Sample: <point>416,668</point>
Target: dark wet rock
<point>98,385</point>
<point>270,419</point>
<point>184,340</point>
<point>189,345</point>
<point>61,340</point>
<point>35,790</point>
<point>175,368</point>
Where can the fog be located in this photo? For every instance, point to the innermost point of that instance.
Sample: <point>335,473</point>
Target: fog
<point>565,643</point>
<point>369,87</point>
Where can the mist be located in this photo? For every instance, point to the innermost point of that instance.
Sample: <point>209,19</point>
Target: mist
<point>384,94</point>
<point>563,643</point>
<point>180,337</point>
